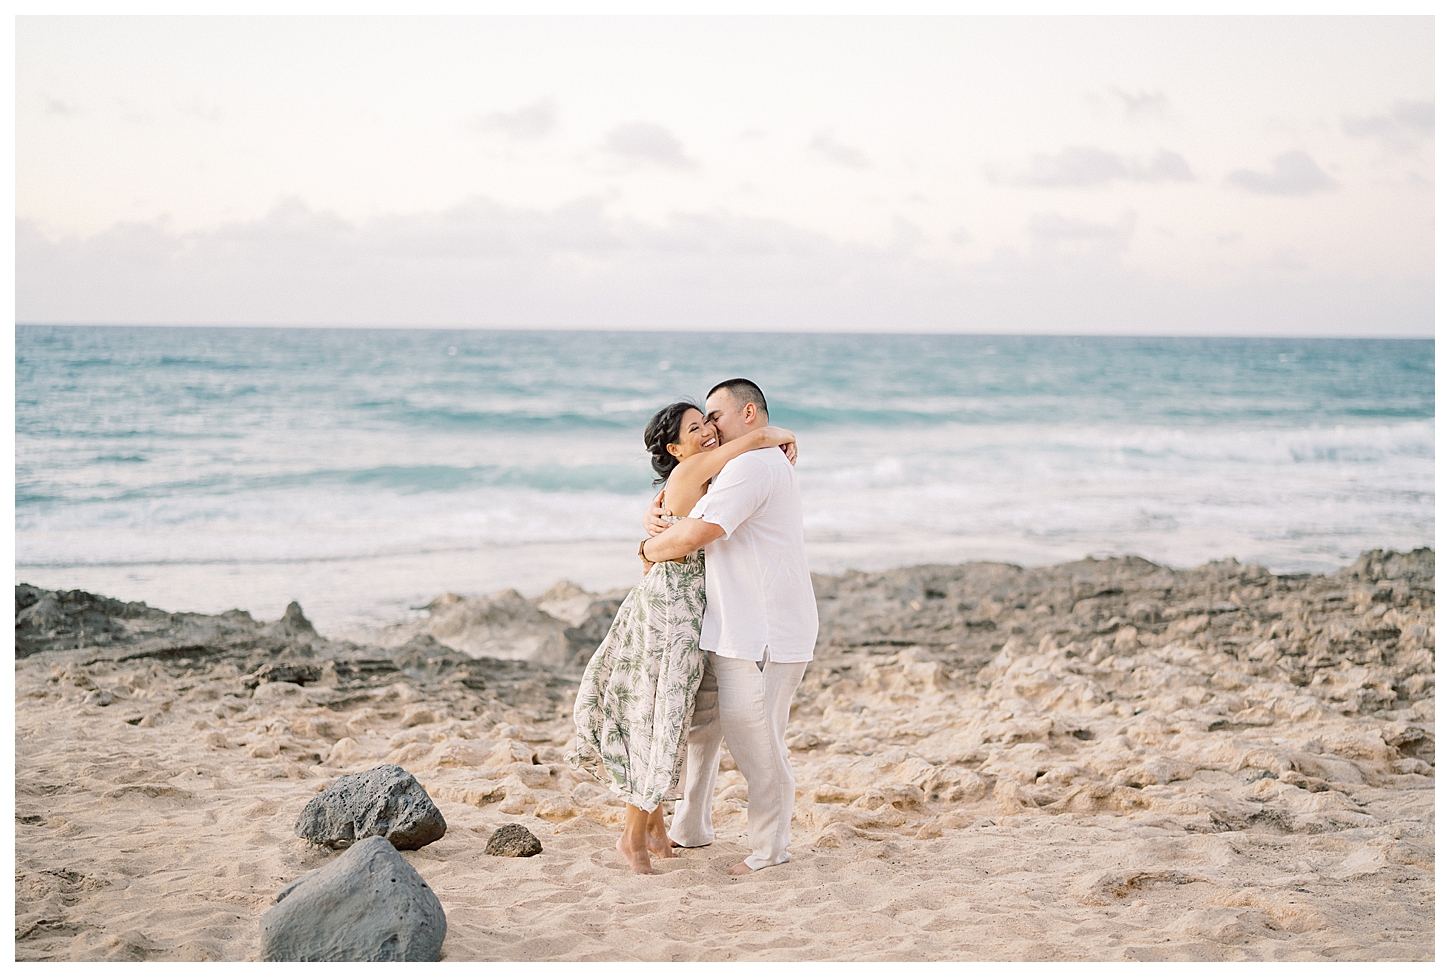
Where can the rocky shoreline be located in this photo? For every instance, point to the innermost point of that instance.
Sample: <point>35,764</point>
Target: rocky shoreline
<point>1136,762</point>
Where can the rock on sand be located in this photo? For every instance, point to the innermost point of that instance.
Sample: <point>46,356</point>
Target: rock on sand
<point>368,905</point>
<point>513,841</point>
<point>385,801</point>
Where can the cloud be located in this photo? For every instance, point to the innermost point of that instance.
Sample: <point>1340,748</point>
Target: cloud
<point>906,235</point>
<point>201,110</point>
<point>1403,129</point>
<point>647,143</point>
<point>1286,260</point>
<point>1057,234</point>
<point>133,113</point>
<point>482,263</point>
<point>1143,105</point>
<point>532,122</point>
<point>55,106</point>
<point>1088,166</point>
<point>825,145</point>
<point>1295,174</point>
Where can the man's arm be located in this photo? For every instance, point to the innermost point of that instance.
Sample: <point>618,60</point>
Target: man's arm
<point>681,539</point>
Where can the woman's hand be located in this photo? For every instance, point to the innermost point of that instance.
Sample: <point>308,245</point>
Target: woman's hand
<point>654,521</point>
<point>779,437</point>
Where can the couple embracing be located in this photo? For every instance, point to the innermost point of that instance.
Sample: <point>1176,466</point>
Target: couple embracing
<point>713,642</point>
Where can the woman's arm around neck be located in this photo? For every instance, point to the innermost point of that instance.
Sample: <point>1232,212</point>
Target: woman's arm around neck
<point>692,476</point>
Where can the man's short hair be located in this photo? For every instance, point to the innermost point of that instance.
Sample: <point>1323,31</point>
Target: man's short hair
<point>744,391</point>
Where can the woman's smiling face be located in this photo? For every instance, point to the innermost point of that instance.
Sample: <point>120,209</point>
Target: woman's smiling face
<point>695,436</point>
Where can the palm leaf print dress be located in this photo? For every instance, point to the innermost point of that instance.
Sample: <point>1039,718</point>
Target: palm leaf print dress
<point>638,693</point>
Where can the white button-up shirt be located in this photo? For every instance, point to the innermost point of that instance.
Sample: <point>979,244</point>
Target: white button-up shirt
<point>757,584</point>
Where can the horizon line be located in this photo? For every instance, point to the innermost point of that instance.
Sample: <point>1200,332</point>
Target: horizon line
<point>742,330</point>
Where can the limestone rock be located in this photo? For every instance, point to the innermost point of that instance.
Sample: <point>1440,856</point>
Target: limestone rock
<point>294,621</point>
<point>504,625</point>
<point>367,905</point>
<point>513,841</point>
<point>298,673</point>
<point>46,619</point>
<point>386,801</point>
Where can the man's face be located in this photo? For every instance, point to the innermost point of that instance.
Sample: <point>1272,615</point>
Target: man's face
<point>722,411</point>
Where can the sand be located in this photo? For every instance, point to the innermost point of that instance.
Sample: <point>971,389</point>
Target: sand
<point>1103,760</point>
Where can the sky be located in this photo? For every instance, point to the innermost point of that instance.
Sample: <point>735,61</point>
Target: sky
<point>1093,175</point>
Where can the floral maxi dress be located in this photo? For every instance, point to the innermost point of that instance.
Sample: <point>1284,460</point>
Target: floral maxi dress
<point>638,692</point>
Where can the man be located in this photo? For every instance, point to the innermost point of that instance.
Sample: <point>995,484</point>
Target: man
<point>759,629</point>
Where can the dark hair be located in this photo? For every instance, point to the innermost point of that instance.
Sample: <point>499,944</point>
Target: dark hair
<point>663,430</point>
<point>744,391</point>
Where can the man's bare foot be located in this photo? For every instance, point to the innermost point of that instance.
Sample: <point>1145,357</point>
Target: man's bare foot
<point>740,868</point>
<point>659,843</point>
<point>676,844</point>
<point>638,860</point>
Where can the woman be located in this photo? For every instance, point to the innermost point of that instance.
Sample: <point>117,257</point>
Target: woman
<point>638,691</point>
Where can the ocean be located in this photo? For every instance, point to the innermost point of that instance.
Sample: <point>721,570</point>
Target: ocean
<point>364,471</point>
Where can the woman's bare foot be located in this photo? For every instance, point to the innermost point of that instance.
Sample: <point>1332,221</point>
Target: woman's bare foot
<point>655,838</point>
<point>740,868</point>
<point>638,859</point>
<point>633,844</point>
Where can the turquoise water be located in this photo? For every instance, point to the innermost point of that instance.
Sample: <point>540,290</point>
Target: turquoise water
<point>367,470</point>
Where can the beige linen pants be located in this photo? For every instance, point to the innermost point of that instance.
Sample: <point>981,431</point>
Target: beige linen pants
<point>749,707</point>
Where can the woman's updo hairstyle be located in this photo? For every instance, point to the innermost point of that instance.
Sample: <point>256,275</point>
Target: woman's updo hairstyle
<point>663,430</point>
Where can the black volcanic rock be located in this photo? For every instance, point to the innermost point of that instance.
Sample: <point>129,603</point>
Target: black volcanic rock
<point>385,801</point>
<point>513,841</point>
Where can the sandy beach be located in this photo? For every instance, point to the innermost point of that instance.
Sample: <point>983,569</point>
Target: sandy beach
<point>1100,760</point>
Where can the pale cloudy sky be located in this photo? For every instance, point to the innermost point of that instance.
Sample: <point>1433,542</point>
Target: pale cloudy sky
<point>1247,175</point>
